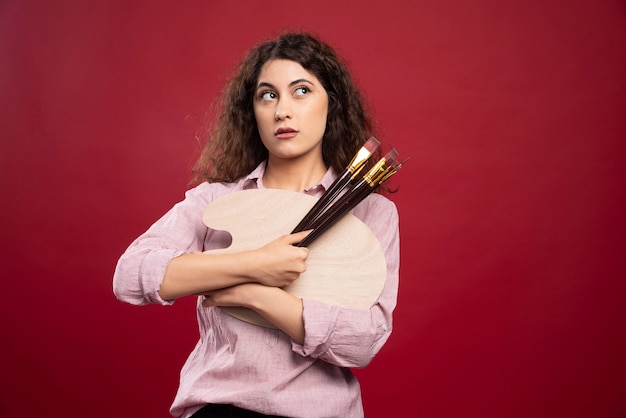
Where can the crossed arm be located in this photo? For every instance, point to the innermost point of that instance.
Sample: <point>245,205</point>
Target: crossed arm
<point>252,279</point>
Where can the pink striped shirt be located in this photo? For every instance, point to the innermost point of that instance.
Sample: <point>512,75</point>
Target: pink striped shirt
<point>258,368</point>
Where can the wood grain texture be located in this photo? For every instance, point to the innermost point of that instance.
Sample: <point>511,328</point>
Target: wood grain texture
<point>346,265</point>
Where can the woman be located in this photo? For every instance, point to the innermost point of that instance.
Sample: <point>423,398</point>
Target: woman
<point>291,119</point>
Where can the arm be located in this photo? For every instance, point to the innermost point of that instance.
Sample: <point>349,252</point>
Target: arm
<point>341,336</point>
<point>274,304</point>
<point>276,264</point>
<point>352,337</point>
<point>165,262</point>
<point>141,267</point>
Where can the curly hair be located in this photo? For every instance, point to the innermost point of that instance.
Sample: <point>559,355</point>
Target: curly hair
<point>234,147</point>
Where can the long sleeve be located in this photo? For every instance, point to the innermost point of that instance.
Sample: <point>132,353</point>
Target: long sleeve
<point>140,270</point>
<point>352,337</point>
<point>259,368</point>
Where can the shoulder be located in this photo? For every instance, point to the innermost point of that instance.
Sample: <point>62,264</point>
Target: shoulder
<point>207,192</point>
<point>210,191</point>
<point>380,214</point>
<point>376,206</point>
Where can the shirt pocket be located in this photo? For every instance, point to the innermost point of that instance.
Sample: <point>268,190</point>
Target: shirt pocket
<point>271,337</point>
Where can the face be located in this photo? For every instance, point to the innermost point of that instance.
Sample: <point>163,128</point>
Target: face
<point>290,107</point>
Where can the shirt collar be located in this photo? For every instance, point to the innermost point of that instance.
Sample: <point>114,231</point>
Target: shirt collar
<point>255,179</point>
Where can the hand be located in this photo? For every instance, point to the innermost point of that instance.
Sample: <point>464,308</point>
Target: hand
<point>279,263</point>
<point>280,308</point>
<point>239,295</point>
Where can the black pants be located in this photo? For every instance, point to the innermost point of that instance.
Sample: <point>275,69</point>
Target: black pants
<point>213,410</point>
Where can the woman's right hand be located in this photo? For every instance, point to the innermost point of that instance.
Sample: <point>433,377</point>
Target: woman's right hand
<point>279,262</point>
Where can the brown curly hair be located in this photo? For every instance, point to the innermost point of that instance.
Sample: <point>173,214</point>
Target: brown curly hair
<point>234,147</point>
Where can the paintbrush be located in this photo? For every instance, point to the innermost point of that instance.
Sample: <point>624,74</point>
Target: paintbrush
<point>340,183</point>
<point>378,174</point>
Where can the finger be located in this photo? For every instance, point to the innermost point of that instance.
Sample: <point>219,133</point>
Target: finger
<point>298,236</point>
<point>208,302</point>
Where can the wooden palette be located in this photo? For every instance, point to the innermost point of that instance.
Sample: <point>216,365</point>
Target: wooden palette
<point>346,265</point>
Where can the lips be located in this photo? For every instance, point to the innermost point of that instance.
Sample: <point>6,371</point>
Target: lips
<point>285,133</point>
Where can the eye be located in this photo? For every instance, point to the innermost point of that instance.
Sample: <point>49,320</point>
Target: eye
<point>267,95</point>
<point>301,90</point>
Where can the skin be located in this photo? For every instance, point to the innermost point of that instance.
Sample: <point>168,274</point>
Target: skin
<point>291,108</point>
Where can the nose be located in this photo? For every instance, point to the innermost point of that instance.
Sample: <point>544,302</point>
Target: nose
<point>283,111</point>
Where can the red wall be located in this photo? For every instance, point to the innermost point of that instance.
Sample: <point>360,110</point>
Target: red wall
<point>512,205</point>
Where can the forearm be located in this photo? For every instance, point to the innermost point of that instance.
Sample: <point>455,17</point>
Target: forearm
<point>196,273</point>
<point>283,310</point>
<point>276,264</point>
<point>280,308</point>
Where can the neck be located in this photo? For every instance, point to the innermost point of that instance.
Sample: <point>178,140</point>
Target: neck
<point>288,175</point>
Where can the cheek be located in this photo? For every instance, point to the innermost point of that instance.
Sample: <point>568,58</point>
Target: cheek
<point>324,107</point>
<point>323,112</point>
<point>261,118</point>
<point>318,110</point>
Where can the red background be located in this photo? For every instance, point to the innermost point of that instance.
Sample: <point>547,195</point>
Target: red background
<point>512,205</point>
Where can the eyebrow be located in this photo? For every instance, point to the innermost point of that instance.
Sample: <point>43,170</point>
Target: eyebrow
<point>270,85</point>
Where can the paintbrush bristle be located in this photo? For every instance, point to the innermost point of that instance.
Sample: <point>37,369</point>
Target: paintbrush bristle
<point>391,155</point>
<point>371,144</point>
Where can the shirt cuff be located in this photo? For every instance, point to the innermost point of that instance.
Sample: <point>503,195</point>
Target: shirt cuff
<point>320,320</point>
<point>152,271</point>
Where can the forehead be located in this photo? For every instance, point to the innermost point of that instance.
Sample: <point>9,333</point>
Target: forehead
<point>282,71</point>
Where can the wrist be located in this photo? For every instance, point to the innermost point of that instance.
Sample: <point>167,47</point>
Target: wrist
<point>250,262</point>
<point>260,296</point>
